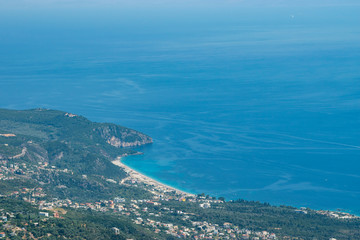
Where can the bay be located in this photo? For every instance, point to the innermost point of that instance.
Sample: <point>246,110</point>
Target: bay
<point>261,104</point>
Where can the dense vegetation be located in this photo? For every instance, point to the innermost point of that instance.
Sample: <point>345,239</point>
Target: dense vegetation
<point>258,216</point>
<point>76,224</point>
<point>14,185</point>
<point>93,188</point>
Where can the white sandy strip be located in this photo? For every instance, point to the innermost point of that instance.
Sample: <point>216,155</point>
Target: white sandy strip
<point>147,180</point>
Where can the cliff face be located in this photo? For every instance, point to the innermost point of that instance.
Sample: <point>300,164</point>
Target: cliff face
<point>118,136</point>
<point>116,142</point>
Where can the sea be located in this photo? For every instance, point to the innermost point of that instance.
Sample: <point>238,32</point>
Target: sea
<point>255,100</point>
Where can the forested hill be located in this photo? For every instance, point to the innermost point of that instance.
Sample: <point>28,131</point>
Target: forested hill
<point>61,126</point>
<point>66,141</point>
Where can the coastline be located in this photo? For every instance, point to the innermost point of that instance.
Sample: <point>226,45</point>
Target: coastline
<point>135,175</point>
<point>163,188</point>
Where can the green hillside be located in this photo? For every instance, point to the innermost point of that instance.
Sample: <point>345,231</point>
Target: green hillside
<point>67,141</point>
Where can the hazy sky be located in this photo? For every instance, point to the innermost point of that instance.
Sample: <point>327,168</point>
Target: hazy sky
<point>24,19</point>
<point>169,3</point>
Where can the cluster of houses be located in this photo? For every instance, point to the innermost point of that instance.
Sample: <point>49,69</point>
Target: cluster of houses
<point>141,211</point>
<point>7,229</point>
<point>205,230</point>
<point>338,215</point>
<point>332,214</point>
<point>7,170</point>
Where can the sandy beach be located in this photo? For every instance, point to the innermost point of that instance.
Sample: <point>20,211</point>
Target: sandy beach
<point>147,180</point>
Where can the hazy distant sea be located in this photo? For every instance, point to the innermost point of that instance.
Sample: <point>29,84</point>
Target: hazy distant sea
<point>242,102</point>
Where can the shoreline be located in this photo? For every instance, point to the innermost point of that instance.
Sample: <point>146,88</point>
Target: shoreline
<point>161,187</point>
<point>133,174</point>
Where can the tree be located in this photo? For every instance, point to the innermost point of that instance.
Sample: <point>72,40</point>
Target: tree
<point>222,199</point>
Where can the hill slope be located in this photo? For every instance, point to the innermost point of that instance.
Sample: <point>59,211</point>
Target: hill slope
<point>66,141</point>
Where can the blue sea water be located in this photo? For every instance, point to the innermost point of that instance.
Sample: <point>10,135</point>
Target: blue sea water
<point>242,101</point>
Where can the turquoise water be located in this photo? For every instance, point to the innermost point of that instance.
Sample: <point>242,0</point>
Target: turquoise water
<point>259,103</point>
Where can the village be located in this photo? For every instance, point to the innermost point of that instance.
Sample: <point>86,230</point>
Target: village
<point>141,211</point>
<point>145,212</point>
